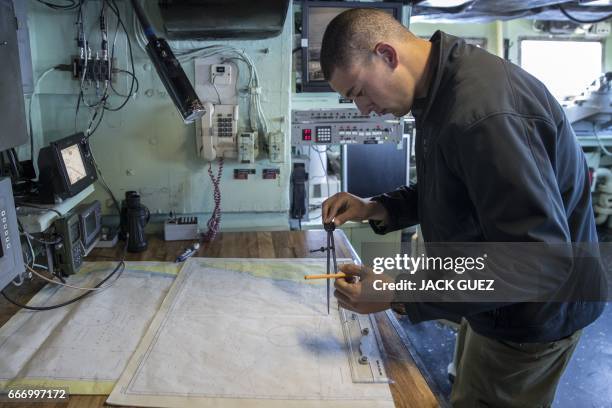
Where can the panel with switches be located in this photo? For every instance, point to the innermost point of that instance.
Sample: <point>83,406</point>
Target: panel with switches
<point>11,258</point>
<point>340,126</point>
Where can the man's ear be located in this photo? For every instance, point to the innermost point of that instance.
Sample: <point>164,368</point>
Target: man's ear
<point>388,53</point>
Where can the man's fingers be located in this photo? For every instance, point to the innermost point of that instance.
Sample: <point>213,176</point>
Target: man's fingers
<point>346,213</point>
<point>341,219</point>
<point>334,208</point>
<point>348,289</point>
<point>343,299</point>
<point>351,269</point>
<point>342,207</point>
<point>325,207</point>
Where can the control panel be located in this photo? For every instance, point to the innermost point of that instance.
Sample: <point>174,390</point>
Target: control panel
<point>69,254</point>
<point>181,228</point>
<point>340,126</point>
<point>11,258</point>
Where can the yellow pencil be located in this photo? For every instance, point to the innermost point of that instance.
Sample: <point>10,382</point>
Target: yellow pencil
<point>330,276</point>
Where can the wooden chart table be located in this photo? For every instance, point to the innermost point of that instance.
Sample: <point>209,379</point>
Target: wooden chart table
<point>410,389</point>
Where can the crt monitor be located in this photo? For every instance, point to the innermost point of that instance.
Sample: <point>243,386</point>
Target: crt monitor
<point>372,169</point>
<point>316,15</point>
<point>66,168</point>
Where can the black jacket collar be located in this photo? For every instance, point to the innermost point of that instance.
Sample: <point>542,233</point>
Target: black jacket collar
<point>443,47</point>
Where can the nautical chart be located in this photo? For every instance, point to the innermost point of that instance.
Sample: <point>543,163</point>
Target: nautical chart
<point>245,332</point>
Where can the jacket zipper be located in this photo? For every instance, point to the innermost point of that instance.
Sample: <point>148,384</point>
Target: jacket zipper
<point>421,152</point>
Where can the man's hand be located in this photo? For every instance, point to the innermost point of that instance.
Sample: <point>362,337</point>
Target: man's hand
<point>343,207</point>
<point>356,292</point>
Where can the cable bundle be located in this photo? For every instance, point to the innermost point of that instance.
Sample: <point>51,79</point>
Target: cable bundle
<point>215,218</point>
<point>189,51</point>
<point>257,118</point>
<point>102,105</point>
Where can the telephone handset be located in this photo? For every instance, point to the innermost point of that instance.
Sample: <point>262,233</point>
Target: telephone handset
<point>208,144</point>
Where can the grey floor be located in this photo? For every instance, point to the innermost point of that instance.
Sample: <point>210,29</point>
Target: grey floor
<point>587,381</point>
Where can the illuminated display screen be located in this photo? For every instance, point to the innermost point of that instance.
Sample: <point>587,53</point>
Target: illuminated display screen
<point>74,163</point>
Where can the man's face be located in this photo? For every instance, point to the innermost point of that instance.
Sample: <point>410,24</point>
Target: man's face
<point>375,87</point>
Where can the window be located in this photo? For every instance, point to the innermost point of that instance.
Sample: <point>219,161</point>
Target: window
<point>565,67</point>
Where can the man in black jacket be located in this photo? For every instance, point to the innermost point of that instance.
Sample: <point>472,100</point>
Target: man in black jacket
<point>497,161</point>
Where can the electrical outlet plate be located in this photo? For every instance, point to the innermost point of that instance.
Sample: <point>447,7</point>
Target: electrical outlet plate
<point>221,74</point>
<point>217,92</point>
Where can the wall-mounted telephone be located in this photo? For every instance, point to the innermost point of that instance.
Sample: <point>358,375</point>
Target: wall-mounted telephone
<point>217,133</point>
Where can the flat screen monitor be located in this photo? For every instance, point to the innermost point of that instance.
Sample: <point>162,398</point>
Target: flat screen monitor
<point>372,169</point>
<point>316,15</point>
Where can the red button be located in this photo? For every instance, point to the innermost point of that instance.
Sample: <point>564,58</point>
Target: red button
<point>306,134</point>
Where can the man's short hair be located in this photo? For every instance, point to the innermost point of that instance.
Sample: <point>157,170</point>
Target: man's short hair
<point>353,34</point>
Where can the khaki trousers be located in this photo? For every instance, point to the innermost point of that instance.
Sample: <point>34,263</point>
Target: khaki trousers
<point>497,373</point>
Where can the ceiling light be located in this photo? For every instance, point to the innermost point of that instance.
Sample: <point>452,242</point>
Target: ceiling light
<point>443,3</point>
<point>596,3</point>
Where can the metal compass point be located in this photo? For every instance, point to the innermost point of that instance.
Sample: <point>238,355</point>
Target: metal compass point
<point>329,226</point>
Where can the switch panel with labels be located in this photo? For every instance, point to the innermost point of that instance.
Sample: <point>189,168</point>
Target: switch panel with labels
<point>246,148</point>
<point>11,257</point>
<point>343,126</point>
